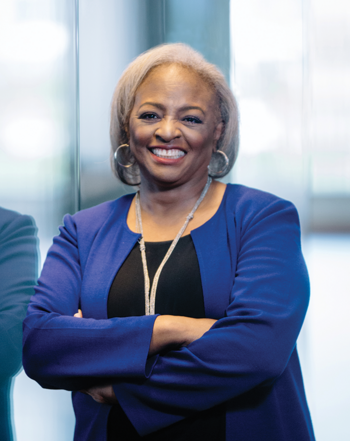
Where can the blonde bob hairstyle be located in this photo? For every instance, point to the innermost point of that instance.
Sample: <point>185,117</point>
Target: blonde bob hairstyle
<point>124,98</point>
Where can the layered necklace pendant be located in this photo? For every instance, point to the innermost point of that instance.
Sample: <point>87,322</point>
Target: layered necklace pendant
<point>150,294</point>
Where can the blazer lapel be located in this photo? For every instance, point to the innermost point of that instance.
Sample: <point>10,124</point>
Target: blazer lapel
<point>216,251</point>
<point>110,248</point>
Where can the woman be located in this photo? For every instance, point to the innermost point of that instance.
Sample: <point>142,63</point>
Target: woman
<point>191,293</point>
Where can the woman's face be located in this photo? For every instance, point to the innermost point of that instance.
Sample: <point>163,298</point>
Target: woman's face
<point>174,126</point>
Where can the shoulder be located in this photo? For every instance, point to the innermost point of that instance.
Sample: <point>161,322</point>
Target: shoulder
<point>13,224</point>
<point>242,198</point>
<point>250,205</point>
<point>241,195</point>
<point>92,219</point>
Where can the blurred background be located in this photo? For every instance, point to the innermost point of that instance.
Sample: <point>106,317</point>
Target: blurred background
<point>288,63</point>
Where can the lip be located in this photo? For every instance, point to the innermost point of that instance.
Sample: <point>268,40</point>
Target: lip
<point>166,161</point>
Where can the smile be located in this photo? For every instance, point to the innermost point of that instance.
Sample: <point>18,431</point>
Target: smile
<point>168,154</point>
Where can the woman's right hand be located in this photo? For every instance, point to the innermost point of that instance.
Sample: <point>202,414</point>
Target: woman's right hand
<point>175,331</point>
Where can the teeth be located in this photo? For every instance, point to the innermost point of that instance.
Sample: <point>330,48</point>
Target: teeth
<point>172,153</point>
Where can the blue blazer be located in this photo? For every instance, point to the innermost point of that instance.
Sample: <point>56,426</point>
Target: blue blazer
<point>254,282</point>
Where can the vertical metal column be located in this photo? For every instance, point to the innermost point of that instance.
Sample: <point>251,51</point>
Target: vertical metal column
<point>204,25</point>
<point>77,110</point>
<point>155,17</point>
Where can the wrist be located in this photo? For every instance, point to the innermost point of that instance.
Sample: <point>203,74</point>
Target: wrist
<point>170,328</point>
<point>168,331</point>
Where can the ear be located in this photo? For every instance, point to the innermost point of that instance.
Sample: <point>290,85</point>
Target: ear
<point>126,131</point>
<point>218,132</point>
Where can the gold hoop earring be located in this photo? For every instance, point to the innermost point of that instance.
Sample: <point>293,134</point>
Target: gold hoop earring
<point>116,157</point>
<point>221,172</point>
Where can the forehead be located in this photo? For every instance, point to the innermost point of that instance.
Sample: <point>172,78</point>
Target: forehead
<point>176,82</point>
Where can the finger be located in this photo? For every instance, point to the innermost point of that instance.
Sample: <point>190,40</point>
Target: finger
<point>78,314</point>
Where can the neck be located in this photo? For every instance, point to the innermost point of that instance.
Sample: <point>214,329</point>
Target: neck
<point>175,200</point>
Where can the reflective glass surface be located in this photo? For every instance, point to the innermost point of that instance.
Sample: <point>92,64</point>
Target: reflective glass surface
<point>37,178</point>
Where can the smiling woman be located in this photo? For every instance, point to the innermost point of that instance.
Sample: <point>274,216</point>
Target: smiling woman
<point>174,312</point>
<point>201,83</point>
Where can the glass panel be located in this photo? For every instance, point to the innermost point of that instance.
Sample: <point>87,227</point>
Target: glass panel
<point>329,149</point>
<point>267,50</point>
<point>329,78</point>
<point>291,76</point>
<point>328,333</point>
<point>37,152</point>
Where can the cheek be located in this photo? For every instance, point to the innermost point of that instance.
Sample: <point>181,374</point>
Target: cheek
<point>201,140</point>
<point>140,136</point>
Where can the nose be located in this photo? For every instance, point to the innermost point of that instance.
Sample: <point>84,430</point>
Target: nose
<point>167,130</point>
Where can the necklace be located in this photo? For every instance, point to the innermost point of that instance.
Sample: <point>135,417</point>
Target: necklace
<point>150,300</point>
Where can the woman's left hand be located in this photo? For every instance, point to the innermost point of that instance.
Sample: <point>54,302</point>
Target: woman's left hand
<point>101,394</point>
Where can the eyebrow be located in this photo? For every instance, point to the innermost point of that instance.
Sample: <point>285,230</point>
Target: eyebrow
<point>161,107</point>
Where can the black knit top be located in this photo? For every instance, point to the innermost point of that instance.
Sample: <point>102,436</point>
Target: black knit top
<point>179,292</point>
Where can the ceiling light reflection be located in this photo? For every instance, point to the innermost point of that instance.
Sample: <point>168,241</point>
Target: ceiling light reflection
<point>33,42</point>
<point>33,138</point>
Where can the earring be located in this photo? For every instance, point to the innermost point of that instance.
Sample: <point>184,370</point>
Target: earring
<point>116,157</point>
<point>218,173</point>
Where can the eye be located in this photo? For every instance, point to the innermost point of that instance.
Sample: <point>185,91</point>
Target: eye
<point>192,120</point>
<point>148,115</point>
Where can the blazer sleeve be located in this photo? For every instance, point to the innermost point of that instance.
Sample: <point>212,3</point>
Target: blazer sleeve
<point>18,274</point>
<point>64,352</point>
<point>251,345</point>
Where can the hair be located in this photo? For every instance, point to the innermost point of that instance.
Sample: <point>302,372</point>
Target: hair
<point>124,98</point>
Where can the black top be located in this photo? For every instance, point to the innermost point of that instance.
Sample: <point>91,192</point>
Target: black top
<point>179,292</point>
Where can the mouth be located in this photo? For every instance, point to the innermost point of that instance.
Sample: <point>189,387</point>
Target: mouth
<point>168,153</point>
